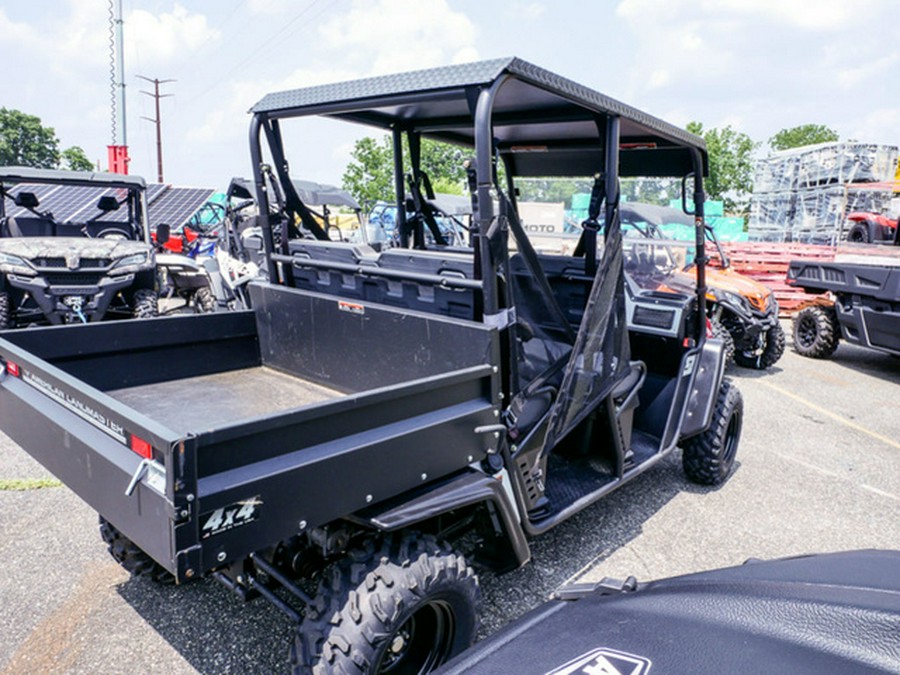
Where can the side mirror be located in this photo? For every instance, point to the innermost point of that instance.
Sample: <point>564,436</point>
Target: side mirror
<point>27,200</point>
<point>108,203</point>
<point>163,233</point>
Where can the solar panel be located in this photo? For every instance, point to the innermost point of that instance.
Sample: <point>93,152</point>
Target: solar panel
<point>67,202</point>
<point>78,203</point>
<point>155,191</point>
<point>40,191</point>
<point>176,206</point>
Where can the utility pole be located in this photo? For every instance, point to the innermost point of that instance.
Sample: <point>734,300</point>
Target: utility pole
<point>156,95</point>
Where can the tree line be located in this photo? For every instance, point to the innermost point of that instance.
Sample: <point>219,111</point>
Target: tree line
<point>369,175</point>
<point>25,141</point>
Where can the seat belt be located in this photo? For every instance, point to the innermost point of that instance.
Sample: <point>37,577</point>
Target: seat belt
<point>587,242</point>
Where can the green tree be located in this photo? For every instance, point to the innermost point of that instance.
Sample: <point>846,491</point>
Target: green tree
<point>730,165</point>
<point>75,159</point>
<point>805,134</point>
<point>370,174</point>
<point>25,141</point>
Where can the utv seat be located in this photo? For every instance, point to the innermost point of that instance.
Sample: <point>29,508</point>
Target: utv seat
<point>328,251</point>
<point>28,227</point>
<point>438,263</point>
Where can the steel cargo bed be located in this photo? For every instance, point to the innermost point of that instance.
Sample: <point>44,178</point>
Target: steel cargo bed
<point>232,431</point>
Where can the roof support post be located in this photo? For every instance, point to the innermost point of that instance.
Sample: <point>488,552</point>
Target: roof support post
<point>399,188</point>
<point>484,206</point>
<point>700,233</point>
<point>262,197</point>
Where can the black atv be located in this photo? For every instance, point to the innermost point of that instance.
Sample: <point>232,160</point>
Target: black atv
<point>74,247</point>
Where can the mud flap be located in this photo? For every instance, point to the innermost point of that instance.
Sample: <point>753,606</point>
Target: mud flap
<point>708,374</point>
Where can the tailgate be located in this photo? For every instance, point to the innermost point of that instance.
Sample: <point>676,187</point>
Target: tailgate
<point>95,445</point>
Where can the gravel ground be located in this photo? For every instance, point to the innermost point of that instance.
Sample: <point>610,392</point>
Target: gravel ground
<point>818,470</point>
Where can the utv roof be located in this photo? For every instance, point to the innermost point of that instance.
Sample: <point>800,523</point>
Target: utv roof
<point>538,116</point>
<point>26,174</point>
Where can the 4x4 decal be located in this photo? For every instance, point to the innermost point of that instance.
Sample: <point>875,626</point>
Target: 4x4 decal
<point>230,517</point>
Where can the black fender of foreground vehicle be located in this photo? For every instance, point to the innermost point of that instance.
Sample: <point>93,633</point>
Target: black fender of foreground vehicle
<point>827,613</point>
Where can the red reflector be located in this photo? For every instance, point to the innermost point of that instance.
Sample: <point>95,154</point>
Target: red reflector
<point>142,447</point>
<point>12,368</point>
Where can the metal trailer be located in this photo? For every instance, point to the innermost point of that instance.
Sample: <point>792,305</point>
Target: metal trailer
<point>379,426</point>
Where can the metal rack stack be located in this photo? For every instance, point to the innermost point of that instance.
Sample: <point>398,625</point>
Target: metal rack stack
<point>804,194</point>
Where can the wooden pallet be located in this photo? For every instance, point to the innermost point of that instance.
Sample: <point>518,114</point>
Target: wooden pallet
<point>768,263</point>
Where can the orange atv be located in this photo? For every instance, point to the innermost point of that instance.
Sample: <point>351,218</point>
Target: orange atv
<point>742,312</point>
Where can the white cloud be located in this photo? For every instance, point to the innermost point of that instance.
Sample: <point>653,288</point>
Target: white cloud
<point>528,10</point>
<point>395,35</point>
<point>162,38</point>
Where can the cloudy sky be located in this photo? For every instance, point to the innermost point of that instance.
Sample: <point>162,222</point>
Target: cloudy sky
<point>758,65</point>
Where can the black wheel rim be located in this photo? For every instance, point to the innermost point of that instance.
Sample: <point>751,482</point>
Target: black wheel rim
<point>731,439</point>
<point>807,330</point>
<point>421,643</point>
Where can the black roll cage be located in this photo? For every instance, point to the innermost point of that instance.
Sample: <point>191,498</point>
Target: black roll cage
<point>510,111</point>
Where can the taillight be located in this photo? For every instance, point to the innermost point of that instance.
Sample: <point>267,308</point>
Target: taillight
<point>709,332</point>
<point>12,368</point>
<point>141,447</point>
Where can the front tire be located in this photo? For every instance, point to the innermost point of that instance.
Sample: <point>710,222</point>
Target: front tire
<point>146,304</point>
<point>773,351</point>
<point>859,233</point>
<point>816,332</point>
<point>204,301</point>
<point>404,607</point>
<point>708,457</point>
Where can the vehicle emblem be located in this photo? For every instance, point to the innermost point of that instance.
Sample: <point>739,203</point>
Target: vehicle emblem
<point>605,661</point>
<point>73,260</point>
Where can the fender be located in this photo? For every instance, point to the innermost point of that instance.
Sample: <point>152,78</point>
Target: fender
<point>468,489</point>
<point>708,374</point>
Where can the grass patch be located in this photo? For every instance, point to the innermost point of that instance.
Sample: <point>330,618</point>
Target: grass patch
<point>20,484</point>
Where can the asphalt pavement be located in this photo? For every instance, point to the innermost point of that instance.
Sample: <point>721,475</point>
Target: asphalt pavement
<point>818,470</point>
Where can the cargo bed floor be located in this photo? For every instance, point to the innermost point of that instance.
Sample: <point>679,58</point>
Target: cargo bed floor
<point>222,398</point>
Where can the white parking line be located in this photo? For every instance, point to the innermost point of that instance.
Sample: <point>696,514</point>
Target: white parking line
<point>831,415</point>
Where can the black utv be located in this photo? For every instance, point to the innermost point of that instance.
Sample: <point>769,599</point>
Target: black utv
<point>394,421</point>
<point>74,247</point>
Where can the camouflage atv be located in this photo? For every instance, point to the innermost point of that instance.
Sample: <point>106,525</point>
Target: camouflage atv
<point>74,246</point>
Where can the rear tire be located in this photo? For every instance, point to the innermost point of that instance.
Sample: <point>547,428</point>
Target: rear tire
<point>708,457</point>
<point>146,304</point>
<point>719,331</point>
<point>404,607</point>
<point>816,332</point>
<point>771,352</point>
<point>130,556</point>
